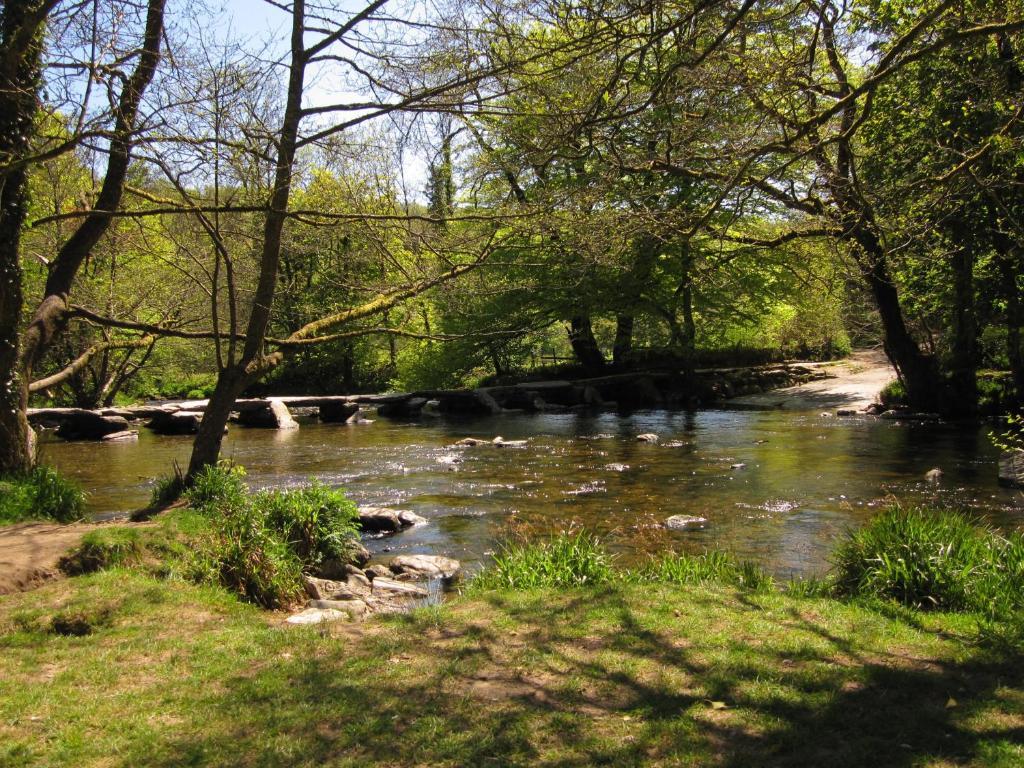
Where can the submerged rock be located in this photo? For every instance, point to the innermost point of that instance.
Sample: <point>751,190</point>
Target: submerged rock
<point>386,520</point>
<point>126,436</point>
<point>685,522</point>
<point>503,443</point>
<point>409,519</point>
<point>379,520</point>
<point>647,437</point>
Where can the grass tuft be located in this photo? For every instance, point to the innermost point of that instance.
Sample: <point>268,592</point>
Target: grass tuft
<point>933,559</point>
<point>168,489</point>
<point>567,560</point>
<point>104,549</point>
<point>40,494</point>
<point>708,568</point>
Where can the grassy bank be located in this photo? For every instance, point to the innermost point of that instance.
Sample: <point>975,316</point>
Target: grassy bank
<point>553,657</point>
<point>151,672</point>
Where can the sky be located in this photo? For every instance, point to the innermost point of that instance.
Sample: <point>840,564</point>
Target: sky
<point>259,21</point>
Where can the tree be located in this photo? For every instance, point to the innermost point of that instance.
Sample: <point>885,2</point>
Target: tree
<point>23,42</point>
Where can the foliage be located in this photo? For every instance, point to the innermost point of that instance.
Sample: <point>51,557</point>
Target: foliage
<point>41,494</point>
<point>708,568</point>
<point>319,523</point>
<point>567,560</point>
<point>893,393</point>
<point>1011,437</point>
<point>933,559</point>
<point>259,544</point>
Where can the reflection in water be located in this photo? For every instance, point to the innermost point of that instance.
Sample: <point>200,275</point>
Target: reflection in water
<point>805,478</point>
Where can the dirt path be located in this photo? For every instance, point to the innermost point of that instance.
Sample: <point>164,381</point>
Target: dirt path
<point>855,384</point>
<point>29,552</point>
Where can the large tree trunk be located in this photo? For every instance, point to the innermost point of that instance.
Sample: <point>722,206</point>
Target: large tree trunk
<point>51,314</point>
<point>16,437</point>
<point>916,370</point>
<point>584,345</point>
<point>622,349</point>
<point>963,370</point>
<point>21,46</point>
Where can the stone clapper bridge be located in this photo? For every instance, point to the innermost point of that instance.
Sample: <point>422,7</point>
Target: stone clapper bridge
<point>623,392</point>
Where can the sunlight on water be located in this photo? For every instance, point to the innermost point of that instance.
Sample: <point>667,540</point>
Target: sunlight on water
<point>777,487</point>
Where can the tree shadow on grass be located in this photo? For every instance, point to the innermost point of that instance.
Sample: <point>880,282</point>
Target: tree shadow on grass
<point>608,684</point>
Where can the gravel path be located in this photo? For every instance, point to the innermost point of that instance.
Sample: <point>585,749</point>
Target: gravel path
<point>854,383</point>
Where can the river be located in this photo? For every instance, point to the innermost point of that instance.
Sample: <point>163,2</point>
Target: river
<point>806,478</point>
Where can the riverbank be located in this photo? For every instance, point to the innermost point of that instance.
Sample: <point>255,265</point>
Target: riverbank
<point>852,384</point>
<point>170,674</point>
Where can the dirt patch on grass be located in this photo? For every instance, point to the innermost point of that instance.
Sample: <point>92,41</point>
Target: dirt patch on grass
<point>29,552</point>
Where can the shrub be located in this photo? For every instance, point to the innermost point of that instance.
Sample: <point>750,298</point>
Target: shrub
<point>568,560</point>
<point>893,393</point>
<point>317,522</point>
<point>218,486</point>
<point>249,558</point>
<point>41,494</point>
<point>259,543</point>
<point>933,559</point>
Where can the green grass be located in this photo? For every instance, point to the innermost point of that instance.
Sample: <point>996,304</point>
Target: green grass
<point>558,660</point>
<point>41,494</point>
<point>708,568</point>
<point>570,559</point>
<point>122,669</point>
<point>933,559</point>
<point>105,548</point>
<point>257,545</point>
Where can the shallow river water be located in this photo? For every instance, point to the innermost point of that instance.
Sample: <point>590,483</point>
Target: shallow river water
<point>806,479</point>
